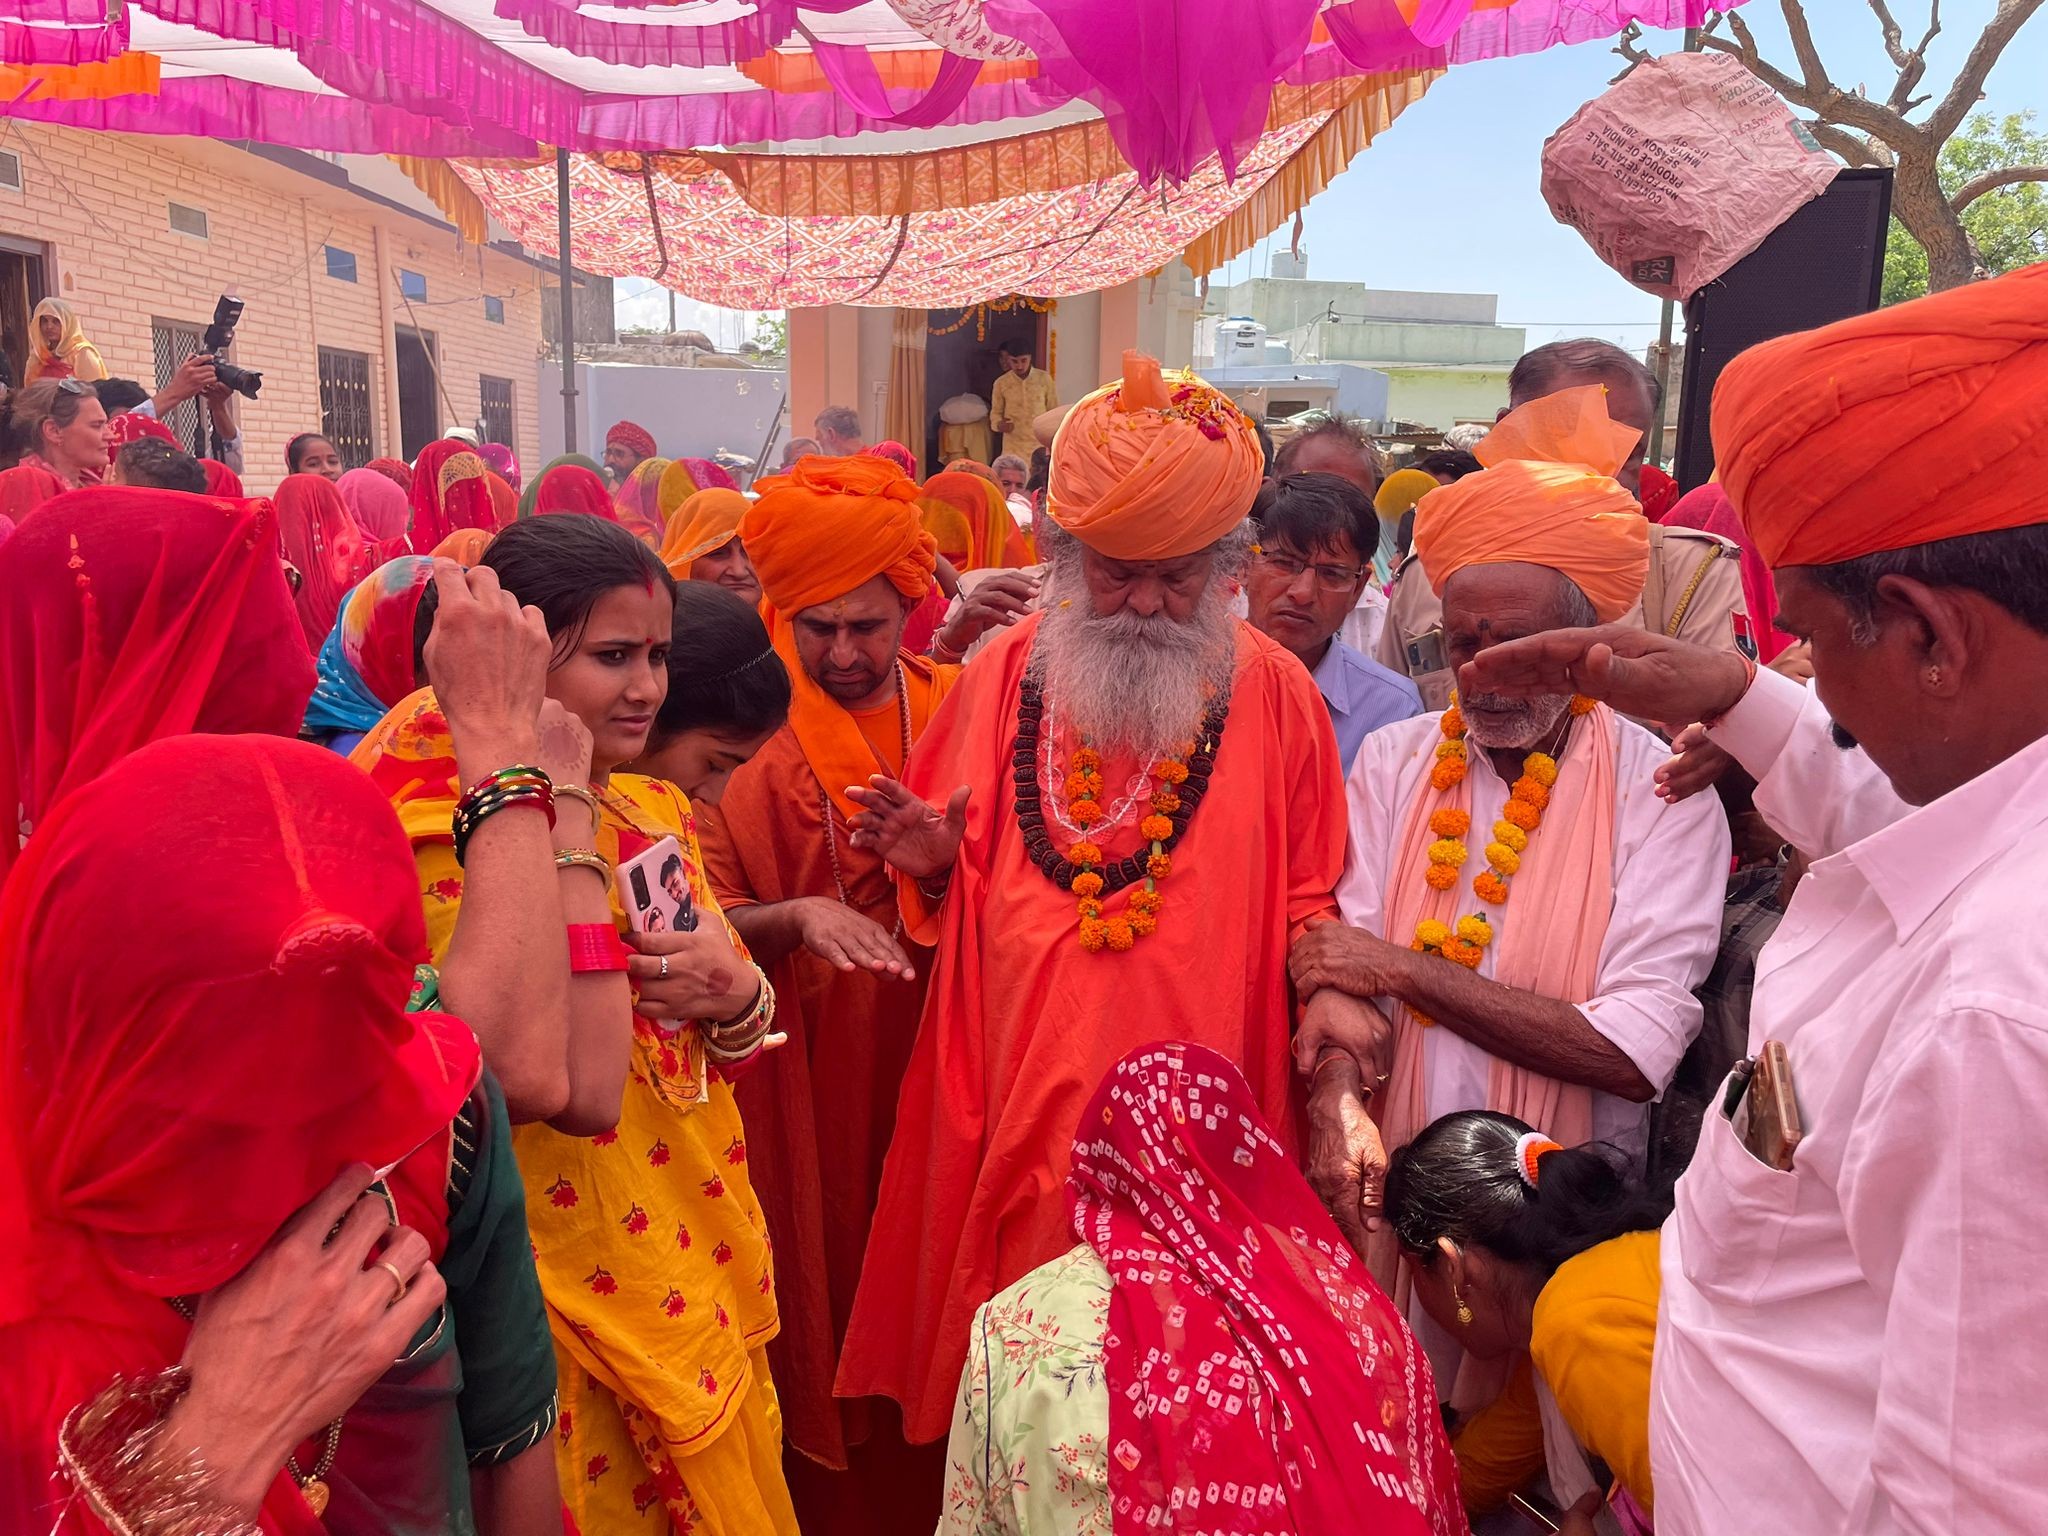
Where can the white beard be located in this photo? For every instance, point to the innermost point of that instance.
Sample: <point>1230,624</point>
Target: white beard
<point>1139,684</point>
<point>1514,725</point>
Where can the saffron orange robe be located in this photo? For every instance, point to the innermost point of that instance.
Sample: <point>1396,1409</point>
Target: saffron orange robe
<point>1020,1023</point>
<point>819,1111</point>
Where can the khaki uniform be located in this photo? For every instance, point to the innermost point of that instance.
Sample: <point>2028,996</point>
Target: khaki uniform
<point>1693,592</point>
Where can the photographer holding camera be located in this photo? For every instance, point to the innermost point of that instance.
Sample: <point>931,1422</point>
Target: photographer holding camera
<point>207,373</point>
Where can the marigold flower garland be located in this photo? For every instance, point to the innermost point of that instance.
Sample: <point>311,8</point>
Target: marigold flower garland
<point>1181,781</point>
<point>1464,942</point>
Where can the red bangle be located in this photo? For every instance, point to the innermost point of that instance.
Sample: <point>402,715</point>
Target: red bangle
<point>595,947</point>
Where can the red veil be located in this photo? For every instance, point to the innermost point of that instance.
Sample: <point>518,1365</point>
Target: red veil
<point>1309,1397</point>
<point>162,1116</point>
<point>134,614</point>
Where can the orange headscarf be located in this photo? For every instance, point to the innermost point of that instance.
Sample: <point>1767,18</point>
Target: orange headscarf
<point>465,546</point>
<point>706,521</point>
<point>1924,421</point>
<point>819,531</point>
<point>948,527</point>
<point>989,524</point>
<point>504,500</point>
<point>1153,468</point>
<point>1548,497</point>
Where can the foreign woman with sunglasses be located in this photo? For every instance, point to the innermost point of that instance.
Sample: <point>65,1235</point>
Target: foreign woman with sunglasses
<point>58,425</point>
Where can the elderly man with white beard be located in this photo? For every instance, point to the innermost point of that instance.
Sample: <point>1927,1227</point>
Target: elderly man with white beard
<point>1141,811</point>
<point>1527,910</point>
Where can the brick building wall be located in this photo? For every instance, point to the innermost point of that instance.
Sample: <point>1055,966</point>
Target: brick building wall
<point>99,204</point>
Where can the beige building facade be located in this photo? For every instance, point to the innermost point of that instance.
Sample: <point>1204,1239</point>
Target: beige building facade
<point>366,315</point>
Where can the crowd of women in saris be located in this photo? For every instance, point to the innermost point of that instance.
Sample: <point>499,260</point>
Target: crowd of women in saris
<point>362,1170</point>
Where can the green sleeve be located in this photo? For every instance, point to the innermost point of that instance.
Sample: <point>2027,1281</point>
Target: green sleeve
<point>501,1327</point>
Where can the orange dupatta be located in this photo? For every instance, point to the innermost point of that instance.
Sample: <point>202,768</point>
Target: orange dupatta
<point>988,517</point>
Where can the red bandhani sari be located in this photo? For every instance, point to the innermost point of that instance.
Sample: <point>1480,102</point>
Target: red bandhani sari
<point>1259,1379</point>
<point>448,492</point>
<point>572,488</point>
<point>326,546</point>
<point>162,1117</point>
<point>132,615</point>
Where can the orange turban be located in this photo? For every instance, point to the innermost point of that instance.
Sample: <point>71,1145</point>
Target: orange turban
<point>1153,468</point>
<point>1547,497</point>
<point>706,521</point>
<point>1924,421</point>
<point>819,531</point>
<point>829,525</point>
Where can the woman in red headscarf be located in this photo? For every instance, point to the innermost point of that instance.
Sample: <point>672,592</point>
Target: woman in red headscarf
<point>193,1253</point>
<point>324,544</point>
<point>220,480</point>
<point>135,614</point>
<point>568,486</point>
<point>397,471</point>
<point>448,492</point>
<point>1213,1329</point>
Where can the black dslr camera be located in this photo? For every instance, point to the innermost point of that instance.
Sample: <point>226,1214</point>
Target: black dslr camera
<point>227,314</point>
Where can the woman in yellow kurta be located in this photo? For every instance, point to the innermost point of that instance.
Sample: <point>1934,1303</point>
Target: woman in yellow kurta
<point>1520,1247</point>
<point>652,1250</point>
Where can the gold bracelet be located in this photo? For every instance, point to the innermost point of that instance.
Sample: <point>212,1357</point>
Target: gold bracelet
<point>584,793</point>
<point>585,858</point>
<point>736,1038</point>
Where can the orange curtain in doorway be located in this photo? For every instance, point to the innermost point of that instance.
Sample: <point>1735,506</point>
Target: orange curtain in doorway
<point>905,417</point>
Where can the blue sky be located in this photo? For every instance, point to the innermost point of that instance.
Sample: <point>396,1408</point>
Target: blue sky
<point>1447,199</point>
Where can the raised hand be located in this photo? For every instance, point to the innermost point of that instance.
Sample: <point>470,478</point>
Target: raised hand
<point>914,835</point>
<point>291,1342</point>
<point>994,603</point>
<point>1640,674</point>
<point>488,661</point>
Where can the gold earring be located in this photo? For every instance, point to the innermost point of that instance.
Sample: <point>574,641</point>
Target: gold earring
<point>1464,1311</point>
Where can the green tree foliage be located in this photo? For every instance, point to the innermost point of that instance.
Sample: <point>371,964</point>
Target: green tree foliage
<point>2009,224</point>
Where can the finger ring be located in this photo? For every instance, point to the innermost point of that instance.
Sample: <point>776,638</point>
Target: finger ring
<point>664,967</point>
<point>392,1270</point>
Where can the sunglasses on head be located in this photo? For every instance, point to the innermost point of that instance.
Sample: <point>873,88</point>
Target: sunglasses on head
<point>75,387</point>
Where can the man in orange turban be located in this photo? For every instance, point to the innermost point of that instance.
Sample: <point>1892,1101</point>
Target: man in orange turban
<point>1128,809</point>
<point>1518,899</point>
<point>1891,467</point>
<point>842,556</point>
<point>1692,584</point>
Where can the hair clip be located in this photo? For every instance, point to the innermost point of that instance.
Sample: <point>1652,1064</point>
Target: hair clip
<point>1529,1149</point>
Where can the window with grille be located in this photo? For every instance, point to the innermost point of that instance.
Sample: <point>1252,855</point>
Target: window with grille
<point>187,220</point>
<point>497,403</point>
<point>345,405</point>
<point>172,341</point>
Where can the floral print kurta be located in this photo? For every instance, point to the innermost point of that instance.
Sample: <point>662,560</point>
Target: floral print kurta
<point>1029,1451</point>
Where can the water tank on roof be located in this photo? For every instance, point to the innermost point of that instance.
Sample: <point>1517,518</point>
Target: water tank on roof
<point>1290,263</point>
<point>1240,343</point>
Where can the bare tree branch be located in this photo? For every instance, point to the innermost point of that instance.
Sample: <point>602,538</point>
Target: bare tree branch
<point>1894,36</point>
<point>1912,62</point>
<point>1627,46</point>
<point>1841,142</point>
<point>1825,101</point>
<point>1968,88</point>
<point>1991,181</point>
<point>1803,47</point>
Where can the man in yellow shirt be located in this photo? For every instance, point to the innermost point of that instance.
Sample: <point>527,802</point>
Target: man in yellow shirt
<point>1022,394</point>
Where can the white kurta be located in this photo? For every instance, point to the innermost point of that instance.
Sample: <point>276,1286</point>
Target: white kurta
<point>1859,1345</point>
<point>1670,878</point>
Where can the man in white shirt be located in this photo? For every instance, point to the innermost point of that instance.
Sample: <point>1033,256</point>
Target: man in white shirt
<point>1855,1343</point>
<point>1518,899</point>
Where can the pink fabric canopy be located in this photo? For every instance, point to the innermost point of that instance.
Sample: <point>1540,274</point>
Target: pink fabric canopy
<point>503,77</point>
<point>719,250</point>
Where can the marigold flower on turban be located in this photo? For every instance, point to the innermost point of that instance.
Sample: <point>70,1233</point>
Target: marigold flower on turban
<point>829,525</point>
<point>1153,468</point>
<point>1547,497</point>
<point>1920,422</point>
<point>633,437</point>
